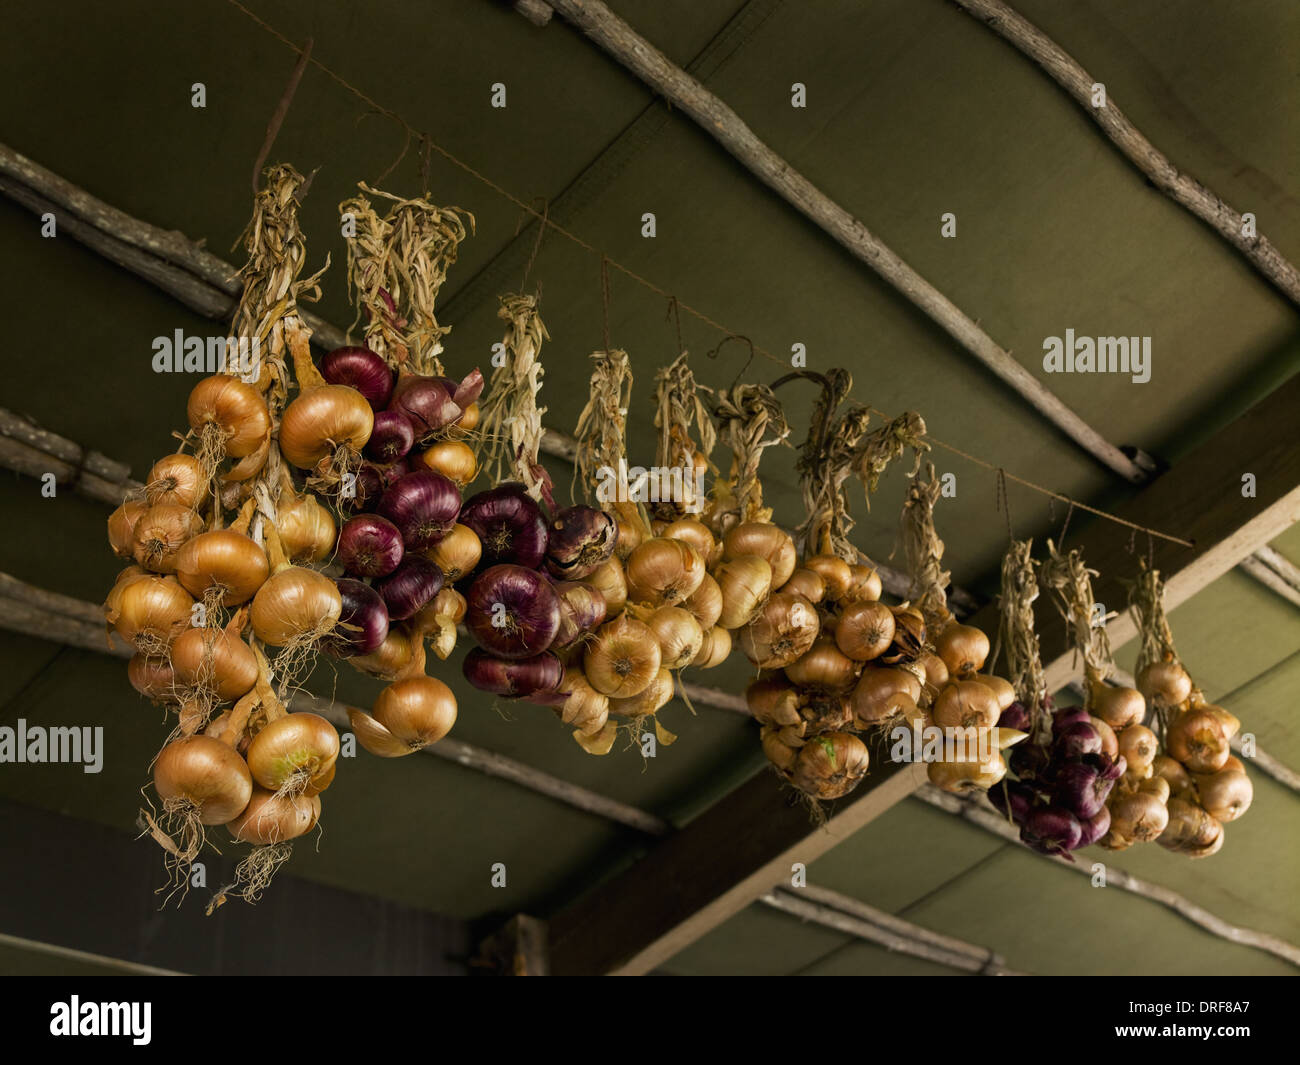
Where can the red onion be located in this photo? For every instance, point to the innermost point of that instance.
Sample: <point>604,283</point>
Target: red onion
<point>423,505</point>
<point>582,609</point>
<point>1067,716</point>
<point>580,540</point>
<point>468,390</point>
<point>363,624</point>
<point>369,546</point>
<point>1030,760</point>
<point>371,481</point>
<point>1113,769</point>
<point>1081,790</point>
<point>1013,796</point>
<point>509,524</point>
<point>1015,716</point>
<point>1074,741</point>
<point>410,587</point>
<point>519,678</point>
<point>391,438</point>
<point>513,612</point>
<point>1051,830</point>
<point>362,369</point>
<point>427,402</point>
<point>1095,827</point>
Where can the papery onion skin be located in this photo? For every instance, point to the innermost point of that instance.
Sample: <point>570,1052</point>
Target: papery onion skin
<point>662,572</point>
<point>582,609</point>
<point>217,658</point>
<point>300,745</point>
<point>768,542</point>
<point>457,553</point>
<point>783,629</point>
<point>745,582</point>
<point>370,546</point>
<point>610,580</point>
<point>830,766</point>
<point>207,772</point>
<point>121,527</point>
<point>293,603</point>
<point>1051,830</point>
<point>1197,739</point>
<point>225,559</point>
<point>154,678</point>
<point>271,818</point>
<point>392,656</point>
<point>235,407</point>
<point>865,630</point>
<point>835,574</point>
<point>513,611</point>
<point>322,420</point>
<point>418,710</point>
<point>454,459</point>
<point>391,438</point>
<point>824,666</point>
<point>160,533</point>
<point>410,587</point>
<point>679,634</point>
<point>151,612</point>
<point>509,524</point>
<point>363,620</point>
<point>361,369</point>
<point>518,678</point>
<point>426,401</point>
<point>307,530</point>
<point>423,505</point>
<point>176,479</point>
<point>622,658</point>
<point>579,540</point>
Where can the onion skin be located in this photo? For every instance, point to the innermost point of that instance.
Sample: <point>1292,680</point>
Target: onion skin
<point>807,583</point>
<point>1226,795</point>
<point>222,654</point>
<point>518,678</point>
<point>176,479</point>
<point>509,524</point>
<point>883,693</point>
<point>705,603</point>
<point>783,630</point>
<point>370,546</point>
<point>1014,716</point>
<point>392,656</point>
<point>1081,789</point>
<point>1166,682</point>
<point>622,658</point>
<point>824,666</point>
<point>715,648</point>
<point>208,773</point>
<point>234,406</point>
<point>679,634</point>
<point>307,530</point>
<point>293,603</point>
<point>836,575</point>
<point>745,582</point>
<point>963,648</point>
<point>296,744</point>
<point>693,532</point>
<point>663,572</point>
<point>864,584</point>
<point>865,630</point>
<point>1140,816</point>
<point>513,612</point>
<point>423,505</point>
<point>322,420</point>
<point>1014,799</point>
<point>1138,744</point>
<point>363,620</point>
<point>160,533</point>
<point>1173,771</point>
<point>454,459</point>
<point>1094,827</point>
<point>391,439</point>
<point>1109,741</point>
<point>1002,688</point>
<point>121,527</point>
<point>457,553</point>
<point>427,402</point>
<point>410,587</point>
<point>1196,738</point>
<point>1118,707</point>
<point>580,539</point>
<point>150,610</point>
<point>418,711</point>
<point>271,818</point>
<point>966,704</point>
<point>656,695</point>
<point>361,369</point>
<point>766,541</point>
<point>830,766</point>
<point>611,582</point>
<point>582,609</point>
<point>1051,830</point>
<point>153,678</point>
<point>224,558</point>
<point>1076,741</point>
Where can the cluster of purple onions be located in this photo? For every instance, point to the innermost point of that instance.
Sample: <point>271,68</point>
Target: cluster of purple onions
<point>526,607</point>
<point>1059,796</point>
<point>402,505</point>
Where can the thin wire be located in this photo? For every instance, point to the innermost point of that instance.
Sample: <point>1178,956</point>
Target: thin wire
<point>1002,502</point>
<point>675,315</point>
<point>604,299</point>
<point>537,244</point>
<point>646,283</point>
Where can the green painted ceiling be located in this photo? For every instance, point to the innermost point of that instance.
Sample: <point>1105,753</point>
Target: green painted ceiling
<point>913,110</point>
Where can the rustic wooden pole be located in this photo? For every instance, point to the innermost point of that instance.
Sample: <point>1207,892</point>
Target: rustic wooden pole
<point>633,51</point>
<point>984,817</point>
<point>1180,187</point>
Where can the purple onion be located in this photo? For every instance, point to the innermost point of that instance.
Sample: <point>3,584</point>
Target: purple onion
<point>1015,716</point>
<point>1076,740</point>
<point>1013,798</point>
<point>1070,715</point>
<point>1094,828</point>
<point>1081,790</point>
<point>369,546</point>
<point>580,540</point>
<point>514,679</point>
<point>410,587</point>
<point>427,402</point>
<point>423,505</point>
<point>512,612</point>
<point>362,369</point>
<point>391,438</point>
<point>468,390</point>
<point>509,524</point>
<point>1030,760</point>
<point>582,609</point>
<point>1114,768</point>
<point>362,624</point>
<point>1051,830</point>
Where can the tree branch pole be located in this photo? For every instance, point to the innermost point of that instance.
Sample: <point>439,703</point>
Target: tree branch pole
<point>1182,188</point>
<point>638,55</point>
<point>992,822</point>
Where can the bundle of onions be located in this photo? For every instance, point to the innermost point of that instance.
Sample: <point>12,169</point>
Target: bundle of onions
<point>176,479</point>
<point>586,710</point>
<point>272,818</point>
<point>781,632</point>
<point>408,716</point>
<point>798,712</point>
<point>149,612</point>
<point>160,533</point>
<point>294,754</point>
<point>224,565</point>
<point>215,659</point>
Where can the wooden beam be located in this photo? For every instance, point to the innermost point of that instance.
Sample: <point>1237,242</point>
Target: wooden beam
<point>1178,185</point>
<point>638,55</point>
<point>1201,498</point>
<point>1270,578</point>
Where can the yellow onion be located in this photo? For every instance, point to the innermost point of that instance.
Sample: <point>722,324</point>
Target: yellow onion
<point>295,603</point>
<point>270,818</point>
<point>622,658</point>
<point>207,773</point>
<point>151,612</point>
<point>1189,825</point>
<point>807,583</point>
<point>967,776</point>
<point>416,711</point>
<point>630,536</point>
<point>214,658</point>
<point>1206,849</point>
<point>232,408</point>
<point>454,459</point>
<point>584,708</point>
<point>705,603</point>
<point>469,418</point>
<point>883,693</point>
<point>780,753</point>
<point>714,649</point>
<point>1109,741</point>
<point>1113,841</point>
<point>1196,739</point>
<point>865,630</point>
<point>1230,724</point>
<point>121,527</point>
<point>610,580</point>
<point>823,666</point>
<point>656,695</point>
<point>1139,746</point>
<point>114,598</point>
<point>864,584</point>
<point>936,673</point>
<point>1226,795</point>
<point>663,572</point>
<point>1157,786</point>
<point>836,575</point>
<point>773,700</point>
<point>323,419</point>
<point>294,753</point>
<point>963,648</point>
<point>224,561</point>
<point>830,766</point>
<point>307,530</point>
<point>1165,681</point>
<point>767,542</point>
<point>1172,770</point>
<point>160,533</point>
<point>177,479</point>
<point>693,532</point>
<point>390,658</point>
<point>1139,816</point>
<point>909,635</point>
<point>679,634</point>
<point>783,629</point>
<point>151,677</point>
<point>448,603</point>
<point>1118,707</point>
<point>457,553</point>
<point>745,582</point>
<point>966,704</point>
<point>1006,694</point>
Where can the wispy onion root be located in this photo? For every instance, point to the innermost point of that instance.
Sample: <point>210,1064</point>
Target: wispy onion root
<point>253,875</point>
<point>181,835</point>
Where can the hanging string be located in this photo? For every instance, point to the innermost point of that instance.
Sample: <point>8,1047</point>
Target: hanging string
<point>537,244</point>
<point>604,299</point>
<point>278,115</point>
<point>607,263</point>
<point>1065,526</point>
<point>1002,502</point>
<point>675,315</point>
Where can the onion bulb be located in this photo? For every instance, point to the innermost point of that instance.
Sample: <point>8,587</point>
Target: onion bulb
<point>160,533</point>
<point>295,603</point>
<point>307,530</point>
<point>580,539</point>
<point>830,766</point>
<point>679,634</point>
<point>1196,738</point>
<point>966,704</point>
<point>623,658</point>
<point>222,562</point>
<point>417,711</point>
<point>1118,707</point>
<point>294,753</point>
<point>967,776</point>
<point>457,553</point>
<point>653,698</point>
<point>768,542</point>
<point>207,773</point>
<point>1226,795</point>
<point>693,532</point>
<point>584,708</point>
<point>216,659</point>
<point>807,583</point>
<point>150,612</point>
<point>121,527</point>
<point>271,818</point>
<point>1166,682</point>
<point>783,629</point>
<point>1001,688</point>
<point>151,677</point>
<point>390,658</point>
<point>1139,746</point>
<point>663,572</point>
<point>1230,724</point>
<point>836,575</point>
<point>1139,816</point>
<point>176,479</point>
<point>513,611</point>
<point>864,584</point>
<point>582,608</point>
<point>865,630</point>
<point>1172,770</point>
<point>823,666</point>
<point>610,580</point>
<point>322,420</point>
<point>232,411</point>
<point>705,603</point>
<point>963,648</point>
<point>909,635</point>
<point>454,459</point>
<point>745,582</point>
<point>714,649</point>
<point>883,693</point>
